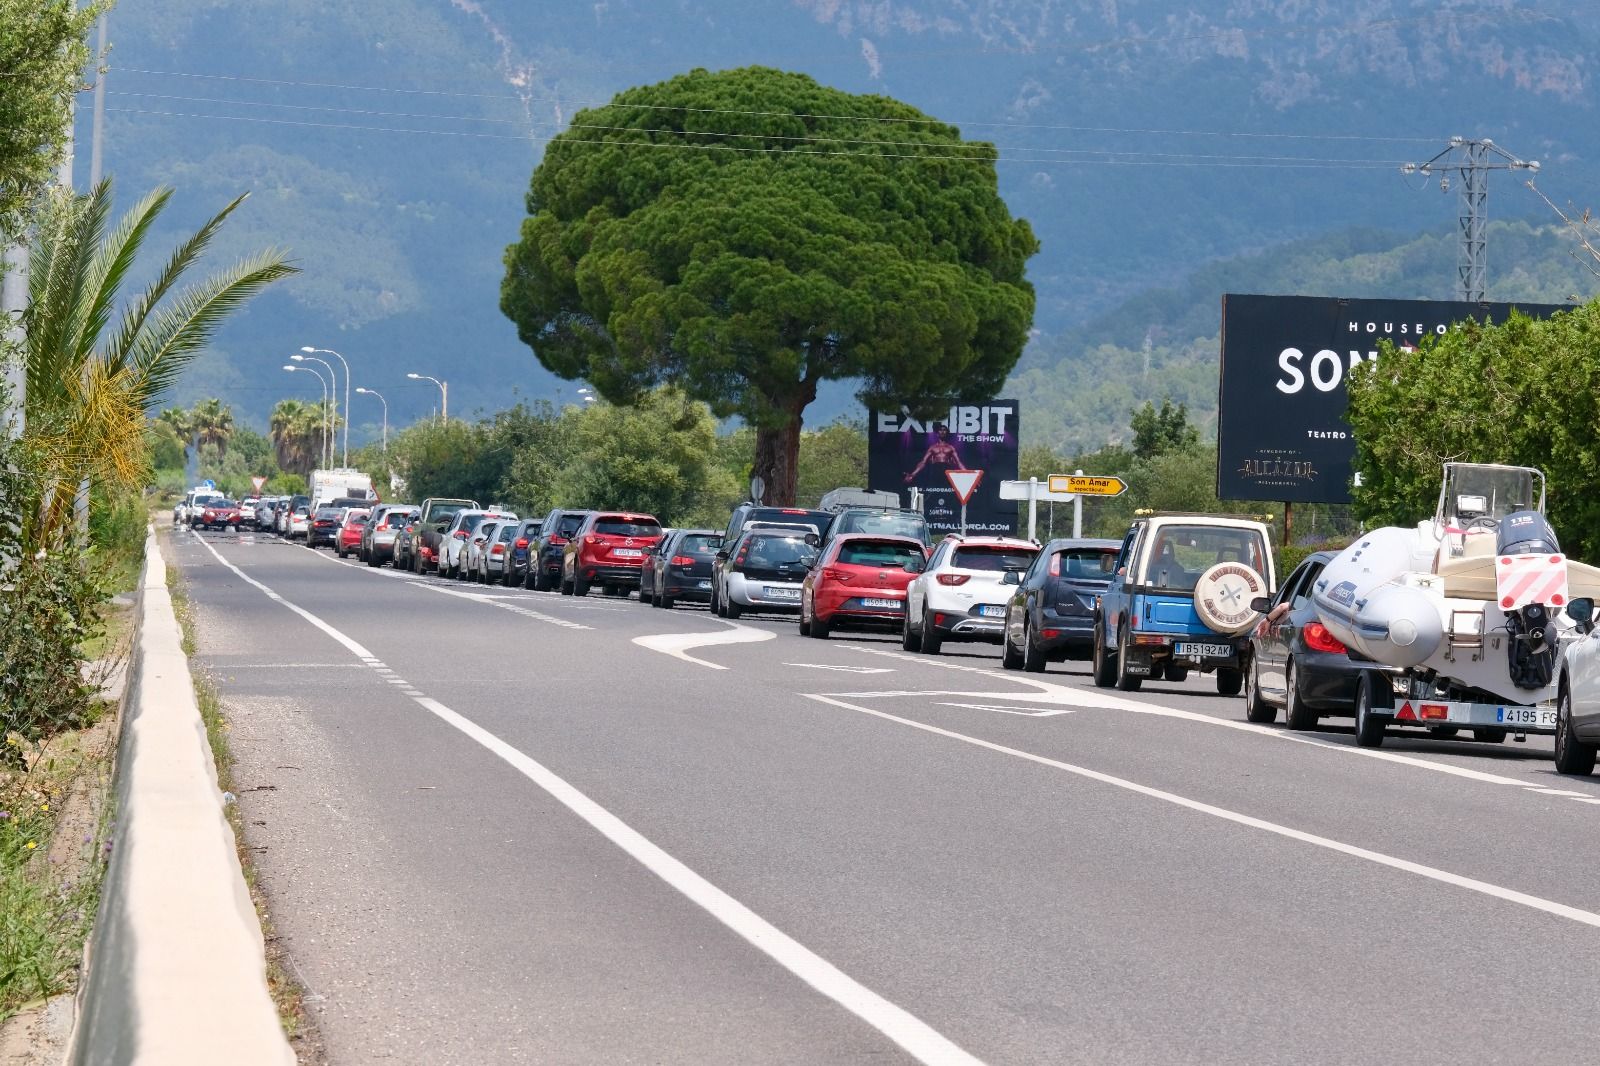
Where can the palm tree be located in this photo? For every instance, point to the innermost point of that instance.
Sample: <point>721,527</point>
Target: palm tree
<point>297,429</point>
<point>182,427</point>
<point>90,381</point>
<point>213,423</point>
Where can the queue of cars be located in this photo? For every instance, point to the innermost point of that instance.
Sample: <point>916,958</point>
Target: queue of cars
<point>1177,594</point>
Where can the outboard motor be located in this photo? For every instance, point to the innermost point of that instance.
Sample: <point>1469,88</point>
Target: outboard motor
<point>1532,645</point>
<point>1525,533</point>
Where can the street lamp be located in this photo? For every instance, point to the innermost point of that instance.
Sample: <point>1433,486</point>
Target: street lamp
<point>329,351</point>
<point>444,394</point>
<point>333,390</point>
<point>374,392</point>
<point>327,443</point>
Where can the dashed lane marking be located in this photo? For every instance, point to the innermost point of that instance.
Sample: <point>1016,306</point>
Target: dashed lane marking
<point>1471,884</point>
<point>911,1033</point>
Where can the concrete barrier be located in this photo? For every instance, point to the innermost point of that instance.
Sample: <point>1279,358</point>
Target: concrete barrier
<point>176,967</point>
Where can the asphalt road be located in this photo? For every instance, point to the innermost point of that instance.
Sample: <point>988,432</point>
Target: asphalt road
<point>498,826</point>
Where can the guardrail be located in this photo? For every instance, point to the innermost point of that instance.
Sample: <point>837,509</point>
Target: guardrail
<point>176,966</point>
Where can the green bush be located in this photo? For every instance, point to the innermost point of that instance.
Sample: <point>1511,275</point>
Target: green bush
<point>49,607</point>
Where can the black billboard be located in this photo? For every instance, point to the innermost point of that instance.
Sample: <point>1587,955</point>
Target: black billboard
<point>905,452</point>
<point>1281,429</point>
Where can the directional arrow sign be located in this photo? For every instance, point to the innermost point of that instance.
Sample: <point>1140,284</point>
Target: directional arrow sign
<point>964,482</point>
<point>1088,486</point>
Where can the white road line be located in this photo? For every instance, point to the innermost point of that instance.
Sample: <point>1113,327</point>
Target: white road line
<point>1094,698</point>
<point>1009,710</point>
<point>1559,910</point>
<point>919,1039</point>
<point>844,669</point>
<point>677,644</point>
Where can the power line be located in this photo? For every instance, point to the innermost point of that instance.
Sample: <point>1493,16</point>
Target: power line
<point>811,138</point>
<point>1286,162</point>
<point>520,100</point>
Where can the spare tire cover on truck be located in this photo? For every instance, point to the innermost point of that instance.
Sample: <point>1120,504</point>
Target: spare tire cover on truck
<point>1222,597</point>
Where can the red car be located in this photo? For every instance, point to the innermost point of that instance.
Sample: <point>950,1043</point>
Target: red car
<point>608,550</point>
<point>860,581</point>
<point>219,514</point>
<point>349,536</point>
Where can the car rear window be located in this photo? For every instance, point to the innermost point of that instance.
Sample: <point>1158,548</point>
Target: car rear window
<point>994,558</point>
<point>899,525</point>
<point>568,525</point>
<point>699,544</point>
<point>776,550</point>
<point>627,527</point>
<point>877,553</point>
<point>1178,555</point>
<point>1090,563</point>
<point>789,516</point>
<point>472,521</point>
<point>508,533</point>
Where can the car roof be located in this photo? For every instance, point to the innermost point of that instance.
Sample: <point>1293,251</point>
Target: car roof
<point>850,538</point>
<point>1063,543</point>
<point>991,542</point>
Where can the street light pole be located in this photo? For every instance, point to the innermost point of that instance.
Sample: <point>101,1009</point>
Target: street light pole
<point>345,461</point>
<point>333,390</point>
<point>444,394</point>
<point>327,425</point>
<point>379,395</point>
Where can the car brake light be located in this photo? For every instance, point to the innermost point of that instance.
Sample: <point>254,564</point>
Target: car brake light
<point>793,510</point>
<point>498,549</point>
<point>683,560</point>
<point>556,542</point>
<point>1319,639</point>
<point>522,542</point>
<point>953,579</point>
<point>1055,565</point>
<point>835,575</point>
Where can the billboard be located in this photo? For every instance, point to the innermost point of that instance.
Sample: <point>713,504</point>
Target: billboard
<point>1281,430</point>
<point>905,452</point>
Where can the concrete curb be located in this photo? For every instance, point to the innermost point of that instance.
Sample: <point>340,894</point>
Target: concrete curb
<point>177,969</point>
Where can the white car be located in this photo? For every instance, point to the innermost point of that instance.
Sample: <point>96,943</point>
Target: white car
<point>1578,704</point>
<point>963,593</point>
<point>762,570</point>
<point>458,536</point>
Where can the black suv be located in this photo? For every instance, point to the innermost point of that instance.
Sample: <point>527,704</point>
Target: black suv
<point>879,522</point>
<point>544,570</point>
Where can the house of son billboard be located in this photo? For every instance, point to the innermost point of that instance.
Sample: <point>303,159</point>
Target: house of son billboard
<point>905,452</point>
<point>1281,429</point>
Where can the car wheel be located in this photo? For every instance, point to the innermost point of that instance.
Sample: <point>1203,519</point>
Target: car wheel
<point>580,587</point>
<point>1573,756</point>
<point>1010,658</point>
<point>805,621</point>
<point>373,560</point>
<point>1104,669</point>
<point>1490,735</point>
<point>819,628</point>
<point>1032,655</point>
<point>1229,680</point>
<point>732,608</point>
<point>910,639</point>
<point>932,639</point>
<point>566,586</point>
<point>1296,715</point>
<point>542,581</point>
<point>1126,682</point>
<point>1256,708</point>
<point>1370,722</point>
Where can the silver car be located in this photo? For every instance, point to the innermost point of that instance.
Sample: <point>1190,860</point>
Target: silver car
<point>763,571</point>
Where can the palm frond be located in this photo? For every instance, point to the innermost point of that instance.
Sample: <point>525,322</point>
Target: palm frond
<point>164,346</point>
<point>114,258</point>
<point>183,257</point>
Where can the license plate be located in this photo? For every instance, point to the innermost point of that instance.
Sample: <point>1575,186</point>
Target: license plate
<point>1538,717</point>
<point>1204,651</point>
<point>627,553</point>
<point>992,612</point>
<point>705,584</point>
<point>893,605</point>
<point>783,594</point>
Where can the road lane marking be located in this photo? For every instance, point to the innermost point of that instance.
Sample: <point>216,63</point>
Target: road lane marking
<point>1471,884</point>
<point>905,1029</point>
<point>1010,710</point>
<point>678,644</point>
<point>845,669</point>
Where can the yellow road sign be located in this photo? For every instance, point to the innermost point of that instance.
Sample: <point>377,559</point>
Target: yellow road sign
<point>1085,485</point>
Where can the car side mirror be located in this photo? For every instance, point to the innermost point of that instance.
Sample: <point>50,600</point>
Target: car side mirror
<point>813,540</point>
<point>1581,611</point>
<point>722,556</point>
<point>1011,577</point>
<point>1261,604</point>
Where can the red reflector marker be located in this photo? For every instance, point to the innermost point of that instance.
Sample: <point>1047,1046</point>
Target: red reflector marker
<point>1049,634</point>
<point>1406,713</point>
<point>1434,711</point>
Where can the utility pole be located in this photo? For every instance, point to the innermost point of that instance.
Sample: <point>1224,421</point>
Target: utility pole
<point>97,138</point>
<point>1472,160</point>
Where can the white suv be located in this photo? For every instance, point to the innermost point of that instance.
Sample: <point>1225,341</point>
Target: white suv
<point>963,593</point>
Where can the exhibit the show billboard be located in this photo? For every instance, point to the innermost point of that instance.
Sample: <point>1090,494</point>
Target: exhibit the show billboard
<point>1281,429</point>
<point>905,451</point>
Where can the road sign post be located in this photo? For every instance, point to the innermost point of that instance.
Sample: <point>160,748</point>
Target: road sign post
<point>1080,485</point>
<point>1033,490</point>
<point>964,482</point>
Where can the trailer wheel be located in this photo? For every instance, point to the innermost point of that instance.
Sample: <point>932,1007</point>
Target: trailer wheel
<point>1370,722</point>
<point>1572,755</point>
<point>1489,736</point>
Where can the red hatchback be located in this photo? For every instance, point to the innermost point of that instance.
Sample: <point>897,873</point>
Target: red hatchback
<point>860,580</point>
<point>608,550</point>
<point>219,514</point>
<point>349,539</point>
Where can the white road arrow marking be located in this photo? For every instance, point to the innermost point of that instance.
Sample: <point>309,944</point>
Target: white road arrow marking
<point>677,644</point>
<point>845,669</point>
<point>1009,710</point>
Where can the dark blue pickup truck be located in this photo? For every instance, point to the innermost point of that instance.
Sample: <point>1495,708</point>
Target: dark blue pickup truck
<point>1180,601</point>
